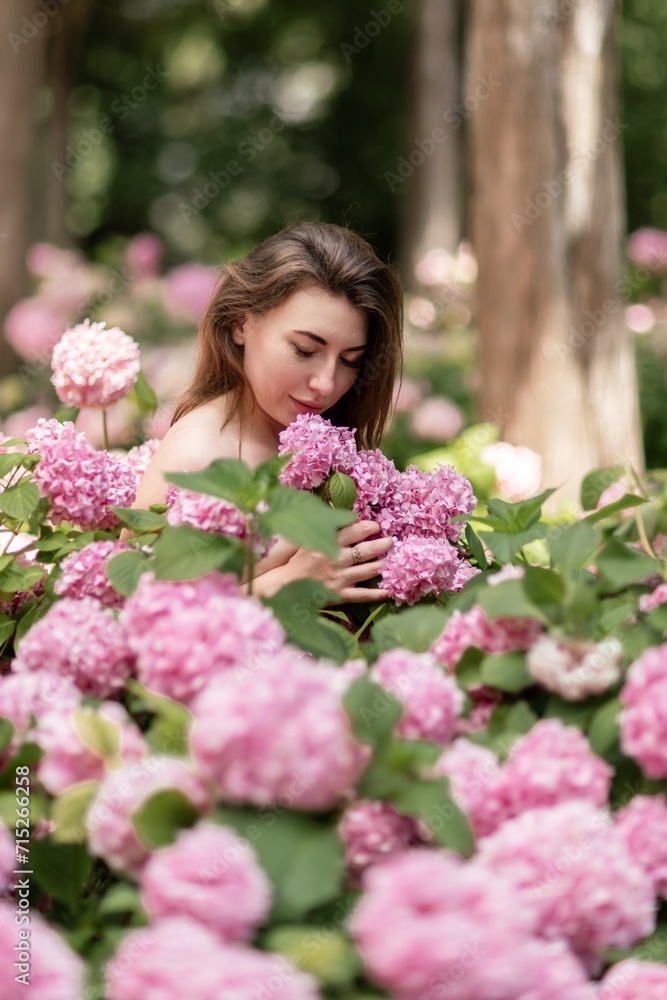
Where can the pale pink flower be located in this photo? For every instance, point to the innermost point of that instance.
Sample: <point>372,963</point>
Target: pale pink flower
<point>416,567</point>
<point>431,700</point>
<point>68,759</point>
<point>278,734</point>
<point>376,479</point>
<point>8,852</point>
<point>643,719</point>
<point>473,629</point>
<point>143,255</point>
<point>318,448</point>
<point>211,874</point>
<point>33,327</point>
<point>633,980</point>
<point>53,971</point>
<point>23,695</point>
<point>209,513</point>
<point>437,419</point>
<point>83,573</point>
<point>518,470</point>
<point>424,502</point>
<point>567,862</point>
<point>575,670</point>
<point>139,457</point>
<point>177,957</point>
<point>647,602</point>
<point>471,770</point>
<point>111,833</point>
<point>407,394</point>
<point>647,247</point>
<point>81,640</point>
<point>45,259</point>
<point>373,831</point>
<point>93,366</point>
<point>184,634</point>
<point>187,290</point>
<point>642,825</point>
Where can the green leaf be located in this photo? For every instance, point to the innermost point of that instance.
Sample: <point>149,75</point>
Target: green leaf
<point>170,729</point>
<point>184,553</point>
<point>342,490</point>
<point>571,545</point>
<point>507,600</point>
<point>121,898</point>
<point>296,606</point>
<point>329,956</point>
<point>28,619</point>
<point>16,577</point>
<point>144,395</point>
<point>415,629</point>
<point>20,500</point>
<point>596,482</point>
<point>626,501</point>
<point>506,545</point>
<point>620,564</point>
<point>303,859</point>
<point>6,733</point>
<point>657,618</point>
<point>61,870</point>
<point>476,548</point>
<point>543,586</point>
<point>373,712</point>
<point>66,413</point>
<point>9,461</point>
<point>506,671</point>
<point>7,626</point>
<point>603,732</point>
<point>140,520</point>
<point>571,713</point>
<point>98,734</point>
<point>124,571</point>
<point>69,812</point>
<point>514,518</point>
<point>431,802</point>
<point>159,818</point>
<point>226,478</point>
<point>305,520</point>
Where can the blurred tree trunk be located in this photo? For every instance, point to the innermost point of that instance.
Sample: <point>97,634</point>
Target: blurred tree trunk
<point>21,68</point>
<point>548,224</point>
<point>432,204</point>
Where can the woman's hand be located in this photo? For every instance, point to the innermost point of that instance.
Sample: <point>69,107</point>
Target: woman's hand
<point>343,575</point>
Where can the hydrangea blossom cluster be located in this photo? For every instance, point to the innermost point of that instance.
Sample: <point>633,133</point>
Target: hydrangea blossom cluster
<point>642,825</point>
<point>93,366</point>
<point>26,694</point>
<point>374,831</point>
<point>643,718</point>
<point>318,449</point>
<point>575,670</point>
<point>451,931</point>
<point>83,573</point>
<point>80,482</point>
<point>210,874</point>
<point>567,862</point>
<point>633,980</point>
<point>111,833</point>
<point>176,957</point>
<point>416,566</point>
<point>209,513</point>
<point>471,770</point>
<point>68,758</point>
<point>185,633</point>
<point>518,469</point>
<point>278,734</point>
<point>431,700</point>
<point>55,972</point>
<point>80,640</point>
<point>473,628</point>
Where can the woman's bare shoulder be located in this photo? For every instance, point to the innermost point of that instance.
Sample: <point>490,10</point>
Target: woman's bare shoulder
<point>197,438</point>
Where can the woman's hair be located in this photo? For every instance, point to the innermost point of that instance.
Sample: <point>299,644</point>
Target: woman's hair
<point>305,255</point>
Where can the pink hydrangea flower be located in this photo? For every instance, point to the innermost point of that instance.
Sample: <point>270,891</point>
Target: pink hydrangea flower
<point>68,759</point>
<point>81,483</point>
<point>431,700</point>
<point>416,567</point>
<point>183,634</point>
<point>187,291</point>
<point>81,640</point>
<point>553,763</point>
<point>23,695</point>
<point>473,628</point>
<point>451,930</point>
<point>111,833</point>
<point>633,980</point>
<point>642,825</point>
<point>143,255</point>
<point>518,470</point>
<point>438,419</point>
<point>426,502</point>
<point>139,457</point>
<point>83,573</point>
<point>278,734</point>
<point>33,327</point>
<point>643,719</point>
<point>8,860</point>
<point>319,449</point>
<point>471,770</point>
<point>575,670</point>
<point>376,478</point>
<point>647,247</point>
<point>484,701</point>
<point>647,602</point>
<point>54,971</point>
<point>211,874</point>
<point>93,366</point>
<point>374,831</point>
<point>212,514</point>
<point>567,861</point>
<point>176,957</point>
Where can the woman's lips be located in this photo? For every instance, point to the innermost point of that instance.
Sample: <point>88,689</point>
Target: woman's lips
<point>306,407</point>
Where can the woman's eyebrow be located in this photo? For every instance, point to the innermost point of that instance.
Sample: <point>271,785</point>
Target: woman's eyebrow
<point>321,340</point>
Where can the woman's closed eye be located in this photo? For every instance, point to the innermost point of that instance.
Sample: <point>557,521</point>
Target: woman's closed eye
<point>309,354</point>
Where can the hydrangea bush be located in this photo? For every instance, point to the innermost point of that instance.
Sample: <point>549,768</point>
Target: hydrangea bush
<point>457,793</point>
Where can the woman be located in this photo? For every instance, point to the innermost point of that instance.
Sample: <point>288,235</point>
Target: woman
<point>309,322</point>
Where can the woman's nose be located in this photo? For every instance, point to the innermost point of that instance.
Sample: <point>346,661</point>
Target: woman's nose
<point>322,382</point>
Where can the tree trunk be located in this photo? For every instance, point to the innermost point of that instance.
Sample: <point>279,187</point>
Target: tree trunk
<point>20,76</point>
<point>432,203</point>
<point>557,365</point>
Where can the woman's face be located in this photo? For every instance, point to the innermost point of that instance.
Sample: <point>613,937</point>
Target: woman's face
<point>302,356</point>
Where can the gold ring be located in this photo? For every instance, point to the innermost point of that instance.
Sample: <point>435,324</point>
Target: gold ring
<point>356,555</point>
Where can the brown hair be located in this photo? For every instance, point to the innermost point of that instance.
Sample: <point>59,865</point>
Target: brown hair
<point>307,254</point>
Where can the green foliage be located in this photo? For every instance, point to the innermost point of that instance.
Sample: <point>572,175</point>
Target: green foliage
<point>159,818</point>
<point>296,606</point>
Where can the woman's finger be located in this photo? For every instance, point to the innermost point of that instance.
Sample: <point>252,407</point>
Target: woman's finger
<point>363,595</point>
<point>357,532</point>
<point>364,571</point>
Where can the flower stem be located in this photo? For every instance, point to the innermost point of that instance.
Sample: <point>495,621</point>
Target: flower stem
<point>105,430</point>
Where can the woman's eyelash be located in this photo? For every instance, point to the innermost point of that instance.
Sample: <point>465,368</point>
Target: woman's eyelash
<point>309,354</point>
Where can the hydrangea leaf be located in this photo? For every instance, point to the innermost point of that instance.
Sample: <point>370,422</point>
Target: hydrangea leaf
<point>184,553</point>
<point>506,671</point>
<point>158,819</point>
<point>20,500</point>
<point>373,712</point>
<point>333,959</point>
<point>69,812</point>
<point>61,870</point>
<point>305,520</point>
<point>620,565</point>
<point>596,482</point>
<point>603,731</point>
<point>431,802</point>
